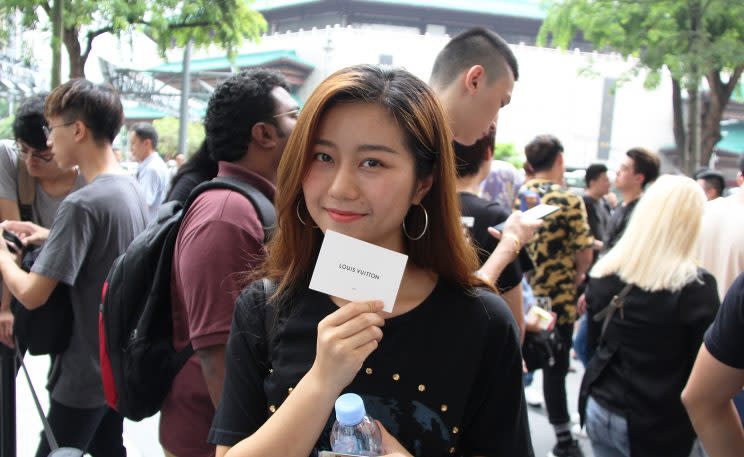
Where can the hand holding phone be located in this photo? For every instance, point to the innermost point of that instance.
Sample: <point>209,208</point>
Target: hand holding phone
<point>13,242</point>
<point>534,213</point>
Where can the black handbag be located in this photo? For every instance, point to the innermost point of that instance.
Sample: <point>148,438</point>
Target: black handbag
<point>48,328</point>
<point>540,349</point>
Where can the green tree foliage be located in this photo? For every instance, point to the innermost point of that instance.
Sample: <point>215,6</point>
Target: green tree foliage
<point>508,153</point>
<point>167,128</point>
<point>169,22</point>
<point>6,128</point>
<point>694,39</point>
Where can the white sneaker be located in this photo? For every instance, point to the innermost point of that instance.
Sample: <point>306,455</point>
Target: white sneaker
<point>533,396</point>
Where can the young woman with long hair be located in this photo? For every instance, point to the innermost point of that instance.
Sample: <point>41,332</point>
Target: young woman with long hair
<point>371,157</point>
<point>630,395</point>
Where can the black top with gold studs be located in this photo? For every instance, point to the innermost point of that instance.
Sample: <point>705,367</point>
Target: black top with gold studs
<point>445,380</point>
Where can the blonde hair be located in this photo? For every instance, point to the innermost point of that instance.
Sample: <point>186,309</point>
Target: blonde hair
<point>656,252</point>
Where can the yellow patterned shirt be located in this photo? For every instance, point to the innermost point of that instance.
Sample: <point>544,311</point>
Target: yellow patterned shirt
<point>553,250</point>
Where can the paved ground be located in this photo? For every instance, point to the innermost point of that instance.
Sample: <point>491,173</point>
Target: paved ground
<point>141,438</point>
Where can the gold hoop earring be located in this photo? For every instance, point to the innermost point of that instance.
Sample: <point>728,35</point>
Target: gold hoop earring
<point>426,225</point>
<point>297,211</point>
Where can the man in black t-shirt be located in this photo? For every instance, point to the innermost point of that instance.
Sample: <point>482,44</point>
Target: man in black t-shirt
<point>597,208</point>
<point>717,377</point>
<point>473,165</point>
<point>638,168</point>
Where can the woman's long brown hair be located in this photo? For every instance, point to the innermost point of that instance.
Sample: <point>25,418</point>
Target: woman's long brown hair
<point>292,252</point>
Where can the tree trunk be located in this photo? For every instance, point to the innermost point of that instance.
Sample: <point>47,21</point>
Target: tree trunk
<point>679,121</point>
<point>56,42</point>
<point>711,130</point>
<point>77,63</point>
<point>720,94</point>
<point>692,147</point>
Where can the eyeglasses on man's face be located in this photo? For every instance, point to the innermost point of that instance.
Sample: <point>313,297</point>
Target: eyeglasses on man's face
<point>48,129</point>
<point>25,150</point>
<point>294,114</point>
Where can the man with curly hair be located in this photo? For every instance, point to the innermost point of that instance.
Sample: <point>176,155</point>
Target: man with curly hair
<point>248,121</point>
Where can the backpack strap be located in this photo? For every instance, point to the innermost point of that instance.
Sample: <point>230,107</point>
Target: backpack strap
<point>263,206</point>
<point>26,191</point>
<point>270,312</point>
<point>617,302</point>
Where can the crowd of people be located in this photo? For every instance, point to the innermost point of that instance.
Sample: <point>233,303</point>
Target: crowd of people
<point>632,279</point>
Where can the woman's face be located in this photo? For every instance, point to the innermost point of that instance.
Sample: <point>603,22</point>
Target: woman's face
<point>361,181</point>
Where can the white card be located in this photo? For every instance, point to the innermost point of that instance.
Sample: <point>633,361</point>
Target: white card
<point>356,270</point>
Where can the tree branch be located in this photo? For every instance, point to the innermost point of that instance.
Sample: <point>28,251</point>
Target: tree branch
<point>734,80</point>
<point>90,37</point>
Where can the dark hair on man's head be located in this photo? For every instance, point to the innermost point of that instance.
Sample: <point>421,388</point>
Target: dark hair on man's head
<point>468,159</point>
<point>593,172</point>
<point>145,131</point>
<point>96,106</point>
<point>235,107</point>
<point>542,152</point>
<point>713,179</point>
<point>476,46</point>
<point>29,122</point>
<point>646,163</point>
<point>200,167</point>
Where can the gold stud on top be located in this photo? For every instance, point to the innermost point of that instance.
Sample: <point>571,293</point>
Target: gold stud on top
<point>368,371</point>
<point>290,390</point>
<point>455,430</point>
<point>443,408</point>
<point>272,408</point>
<point>396,377</point>
<point>421,387</point>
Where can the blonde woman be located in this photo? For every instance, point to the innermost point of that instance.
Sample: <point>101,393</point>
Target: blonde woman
<point>630,395</point>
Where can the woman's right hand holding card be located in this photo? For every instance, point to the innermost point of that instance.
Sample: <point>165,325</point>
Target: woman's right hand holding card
<point>345,339</point>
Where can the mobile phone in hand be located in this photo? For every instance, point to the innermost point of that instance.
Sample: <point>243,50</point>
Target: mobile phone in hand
<point>534,213</point>
<point>14,243</point>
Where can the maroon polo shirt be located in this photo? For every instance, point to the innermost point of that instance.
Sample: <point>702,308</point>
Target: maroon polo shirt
<point>221,239</point>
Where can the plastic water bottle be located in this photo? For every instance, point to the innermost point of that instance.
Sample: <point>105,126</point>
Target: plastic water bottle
<point>354,432</point>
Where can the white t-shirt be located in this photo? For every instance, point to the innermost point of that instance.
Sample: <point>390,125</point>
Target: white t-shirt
<point>721,245</point>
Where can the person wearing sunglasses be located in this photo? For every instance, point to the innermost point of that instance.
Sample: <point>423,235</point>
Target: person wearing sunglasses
<point>28,160</point>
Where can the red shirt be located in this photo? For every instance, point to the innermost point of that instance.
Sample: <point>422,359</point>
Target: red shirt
<point>220,239</point>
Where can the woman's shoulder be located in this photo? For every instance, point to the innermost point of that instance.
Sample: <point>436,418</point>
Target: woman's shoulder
<point>704,284</point>
<point>252,301</point>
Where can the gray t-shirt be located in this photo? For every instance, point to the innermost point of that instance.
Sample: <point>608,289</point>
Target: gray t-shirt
<point>44,206</point>
<point>94,225</point>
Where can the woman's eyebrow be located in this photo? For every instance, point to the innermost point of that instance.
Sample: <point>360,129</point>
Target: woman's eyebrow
<point>360,148</point>
<point>375,147</point>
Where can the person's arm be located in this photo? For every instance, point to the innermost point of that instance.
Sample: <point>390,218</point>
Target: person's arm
<point>513,298</point>
<point>517,233</point>
<point>207,288</point>
<point>8,211</point>
<point>31,289</point>
<point>583,262</point>
<point>708,399</point>
<point>212,360</point>
<point>580,237</point>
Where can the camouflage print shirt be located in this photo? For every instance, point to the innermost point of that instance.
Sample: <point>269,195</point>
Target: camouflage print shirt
<point>553,250</point>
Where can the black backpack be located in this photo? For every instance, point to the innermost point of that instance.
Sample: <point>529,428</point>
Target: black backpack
<point>138,360</point>
<point>48,328</point>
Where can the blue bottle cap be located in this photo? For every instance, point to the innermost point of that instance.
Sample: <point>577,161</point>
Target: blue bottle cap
<point>350,409</point>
